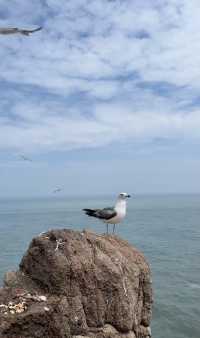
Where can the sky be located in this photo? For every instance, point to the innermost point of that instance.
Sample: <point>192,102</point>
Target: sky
<point>105,98</point>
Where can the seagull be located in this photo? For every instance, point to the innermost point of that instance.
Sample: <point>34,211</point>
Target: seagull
<point>15,30</point>
<point>57,190</point>
<point>24,158</point>
<point>112,215</point>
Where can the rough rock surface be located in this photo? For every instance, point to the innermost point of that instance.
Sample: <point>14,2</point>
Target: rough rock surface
<point>77,285</point>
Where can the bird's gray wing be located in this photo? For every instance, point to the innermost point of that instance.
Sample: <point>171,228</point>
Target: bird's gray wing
<point>25,158</point>
<point>106,213</point>
<point>57,190</point>
<point>29,31</point>
<point>16,30</point>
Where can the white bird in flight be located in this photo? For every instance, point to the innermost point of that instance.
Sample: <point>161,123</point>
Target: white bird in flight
<point>25,158</point>
<point>57,190</point>
<point>112,215</point>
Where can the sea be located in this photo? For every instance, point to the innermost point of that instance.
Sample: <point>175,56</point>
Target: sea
<point>166,228</point>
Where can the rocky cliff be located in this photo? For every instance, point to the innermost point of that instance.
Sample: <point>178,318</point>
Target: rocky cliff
<point>77,285</point>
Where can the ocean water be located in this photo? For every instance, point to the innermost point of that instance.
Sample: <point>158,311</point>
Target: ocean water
<point>165,228</point>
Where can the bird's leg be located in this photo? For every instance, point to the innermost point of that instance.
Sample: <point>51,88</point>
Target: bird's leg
<point>107,228</point>
<point>113,228</point>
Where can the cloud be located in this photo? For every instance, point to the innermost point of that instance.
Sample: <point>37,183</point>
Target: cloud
<point>99,73</point>
<point>37,128</point>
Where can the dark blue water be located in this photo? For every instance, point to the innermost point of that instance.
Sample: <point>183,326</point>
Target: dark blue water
<point>165,228</point>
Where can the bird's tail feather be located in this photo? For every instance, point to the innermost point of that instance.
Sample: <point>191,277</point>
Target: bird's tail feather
<point>90,212</point>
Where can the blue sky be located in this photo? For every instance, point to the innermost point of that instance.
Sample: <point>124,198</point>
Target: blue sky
<point>104,99</point>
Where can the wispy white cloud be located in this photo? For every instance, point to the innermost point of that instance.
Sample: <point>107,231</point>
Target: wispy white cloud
<point>94,74</point>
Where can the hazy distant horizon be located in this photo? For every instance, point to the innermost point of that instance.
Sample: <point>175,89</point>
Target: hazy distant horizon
<point>101,196</point>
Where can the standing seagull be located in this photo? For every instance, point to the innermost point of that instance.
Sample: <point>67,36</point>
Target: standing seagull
<point>111,215</point>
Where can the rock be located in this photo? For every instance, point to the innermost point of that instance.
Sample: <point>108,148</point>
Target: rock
<point>35,321</point>
<point>92,285</point>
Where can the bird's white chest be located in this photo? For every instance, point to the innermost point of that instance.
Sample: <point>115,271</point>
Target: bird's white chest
<point>117,219</point>
<point>121,213</point>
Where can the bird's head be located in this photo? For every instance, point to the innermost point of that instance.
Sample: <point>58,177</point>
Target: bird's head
<point>123,196</point>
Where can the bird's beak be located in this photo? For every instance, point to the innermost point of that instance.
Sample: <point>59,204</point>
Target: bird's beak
<point>128,196</point>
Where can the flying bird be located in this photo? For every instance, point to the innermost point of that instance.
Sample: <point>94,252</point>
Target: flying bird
<point>15,30</point>
<point>24,158</point>
<point>112,215</point>
<point>57,190</point>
